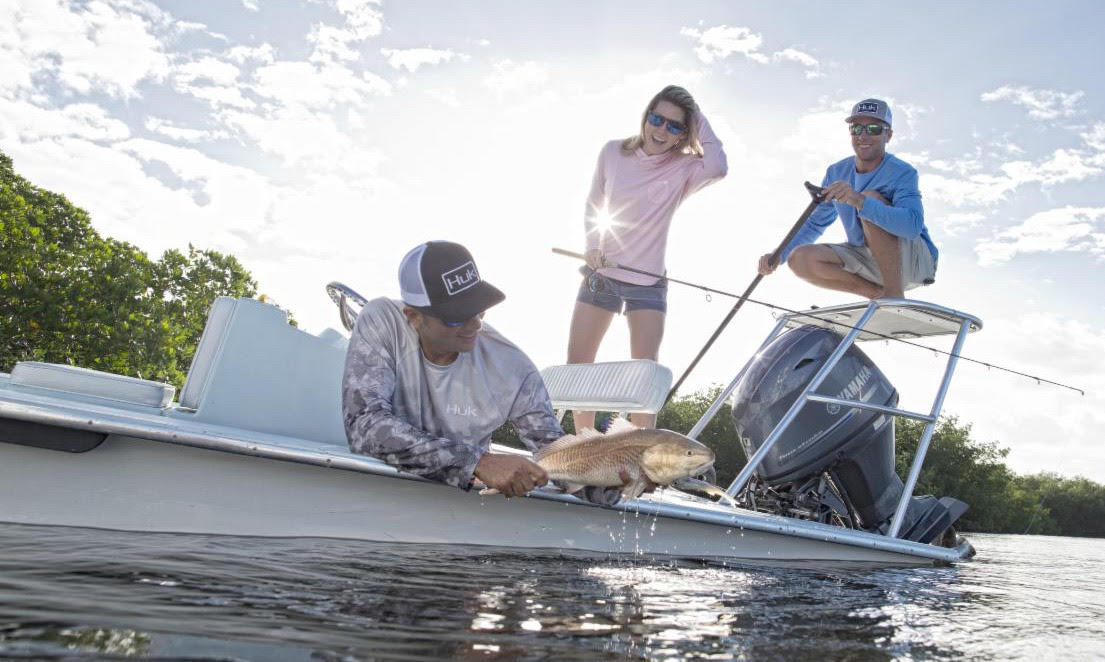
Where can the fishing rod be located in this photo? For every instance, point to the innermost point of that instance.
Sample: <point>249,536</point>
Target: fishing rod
<point>772,306</point>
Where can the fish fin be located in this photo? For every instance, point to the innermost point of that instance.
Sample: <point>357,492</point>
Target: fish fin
<point>488,491</point>
<point>621,425</point>
<point>634,489</point>
<point>572,488</point>
<point>564,442</point>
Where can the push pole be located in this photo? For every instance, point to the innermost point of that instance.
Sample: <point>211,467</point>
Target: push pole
<point>817,193</point>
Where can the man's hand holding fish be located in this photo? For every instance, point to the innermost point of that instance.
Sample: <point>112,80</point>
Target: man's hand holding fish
<point>512,475</point>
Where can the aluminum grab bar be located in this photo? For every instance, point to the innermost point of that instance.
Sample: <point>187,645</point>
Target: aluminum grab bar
<point>926,436</point>
<point>856,404</point>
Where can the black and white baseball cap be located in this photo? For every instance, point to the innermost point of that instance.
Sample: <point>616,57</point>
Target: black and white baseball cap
<point>440,277</point>
<point>873,108</point>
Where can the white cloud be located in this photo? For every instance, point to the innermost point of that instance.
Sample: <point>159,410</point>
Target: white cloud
<point>447,96</point>
<point>251,5</point>
<point>362,16</point>
<point>211,80</point>
<point>301,83</point>
<point>963,166</point>
<point>966,186</point>
<point>333,43</point>
<point>976,190</point>
<point>1041,104</point>
<point>510,77</point>
<point>23,121</point>
<point>265,54</point>
<point>208,70</point>
<point>1095,137</point>
<point>813,67</point>
<point>721,41</point>
<point>362,20</point>
<point>413,58</point>
<point>311,141</point>
<point>955,223</point>
<point>1080,229</point>
<point>1063,166</point>
<point>183,134</point>
<point>107,47</point>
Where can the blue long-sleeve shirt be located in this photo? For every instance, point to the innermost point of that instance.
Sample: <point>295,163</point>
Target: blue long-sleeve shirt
<point>895,180</point>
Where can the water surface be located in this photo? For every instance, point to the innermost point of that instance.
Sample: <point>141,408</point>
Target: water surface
<point>68,593</point>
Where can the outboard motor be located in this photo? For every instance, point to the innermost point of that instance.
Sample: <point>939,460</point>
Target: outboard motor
<point>832,464</point>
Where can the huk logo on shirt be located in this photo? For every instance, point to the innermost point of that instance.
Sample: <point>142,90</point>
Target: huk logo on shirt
<point>460,279</point>
<point>460,410</point>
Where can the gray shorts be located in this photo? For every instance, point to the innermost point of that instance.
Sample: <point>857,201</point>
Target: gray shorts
<point>918,267</point>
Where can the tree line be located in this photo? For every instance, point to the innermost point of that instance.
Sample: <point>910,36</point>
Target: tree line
<point>69,295</point>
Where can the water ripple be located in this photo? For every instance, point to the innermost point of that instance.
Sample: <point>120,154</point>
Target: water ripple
<point>68,592</point>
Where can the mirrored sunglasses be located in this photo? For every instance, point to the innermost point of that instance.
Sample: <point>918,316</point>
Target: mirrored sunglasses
<point>872,129</point>
<point>674,128</point>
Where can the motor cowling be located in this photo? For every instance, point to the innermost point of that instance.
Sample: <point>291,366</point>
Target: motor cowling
<point>855,447</point>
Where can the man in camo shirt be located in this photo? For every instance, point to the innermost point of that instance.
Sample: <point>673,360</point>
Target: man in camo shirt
<point>426,381</point>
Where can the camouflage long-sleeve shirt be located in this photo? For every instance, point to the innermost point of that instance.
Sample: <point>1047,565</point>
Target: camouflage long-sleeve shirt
<point>430,420</point>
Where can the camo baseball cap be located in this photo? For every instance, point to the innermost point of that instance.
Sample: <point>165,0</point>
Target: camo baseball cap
<point>873,108</point>
<point>440,277</point>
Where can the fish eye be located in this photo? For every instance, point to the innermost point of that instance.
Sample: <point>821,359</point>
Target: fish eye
<point>690,453</point>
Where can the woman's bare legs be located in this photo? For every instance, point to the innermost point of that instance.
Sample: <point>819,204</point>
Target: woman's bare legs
<point>646,330</point>
<point>589,325</point>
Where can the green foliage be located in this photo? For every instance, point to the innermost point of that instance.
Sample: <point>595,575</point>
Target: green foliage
<point>969,470</point>
<point>68,295</point>
<point>1068,506</point>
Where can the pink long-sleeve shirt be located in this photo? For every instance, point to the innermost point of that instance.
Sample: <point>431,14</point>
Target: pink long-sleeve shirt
<point>641,193</point>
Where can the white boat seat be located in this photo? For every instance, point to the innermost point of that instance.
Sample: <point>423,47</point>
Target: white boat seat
<point>253,370</point>
<point>92,383</point>
<point>626,387</point>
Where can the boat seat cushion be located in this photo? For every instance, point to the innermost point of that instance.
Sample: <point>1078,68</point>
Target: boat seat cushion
<point>636,386</point>
<point>86,382</point>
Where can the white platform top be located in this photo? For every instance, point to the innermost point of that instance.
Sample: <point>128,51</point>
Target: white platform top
<point>902,319</point>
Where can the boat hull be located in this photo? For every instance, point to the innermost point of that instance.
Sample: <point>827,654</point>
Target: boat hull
<point>136,484</point>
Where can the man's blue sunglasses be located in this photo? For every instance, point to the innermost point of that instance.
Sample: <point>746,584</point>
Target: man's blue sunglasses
<point>674,128</point>
<point>453,325</point>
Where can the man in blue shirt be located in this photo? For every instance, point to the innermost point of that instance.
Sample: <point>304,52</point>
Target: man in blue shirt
<point>876,197</point>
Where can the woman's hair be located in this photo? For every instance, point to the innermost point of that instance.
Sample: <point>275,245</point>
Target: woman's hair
<point>682,98</point>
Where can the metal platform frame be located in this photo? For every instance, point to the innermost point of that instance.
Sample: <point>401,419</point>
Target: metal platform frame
<point>891,319</point>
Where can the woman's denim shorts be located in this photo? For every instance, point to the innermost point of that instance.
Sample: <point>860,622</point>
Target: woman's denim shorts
<point>610,294</point>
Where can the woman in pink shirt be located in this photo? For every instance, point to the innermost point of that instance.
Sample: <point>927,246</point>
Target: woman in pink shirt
<point>638,184</point>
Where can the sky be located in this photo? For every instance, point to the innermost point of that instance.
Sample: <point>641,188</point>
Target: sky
<point>319,140</point>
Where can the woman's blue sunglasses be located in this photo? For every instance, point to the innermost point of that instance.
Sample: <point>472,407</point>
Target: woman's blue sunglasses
<point>674,128</point>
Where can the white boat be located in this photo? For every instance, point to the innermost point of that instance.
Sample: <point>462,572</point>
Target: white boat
<point>254,446</point>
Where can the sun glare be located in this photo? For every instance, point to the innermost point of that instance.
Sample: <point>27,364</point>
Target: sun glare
<point>604,222</point>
